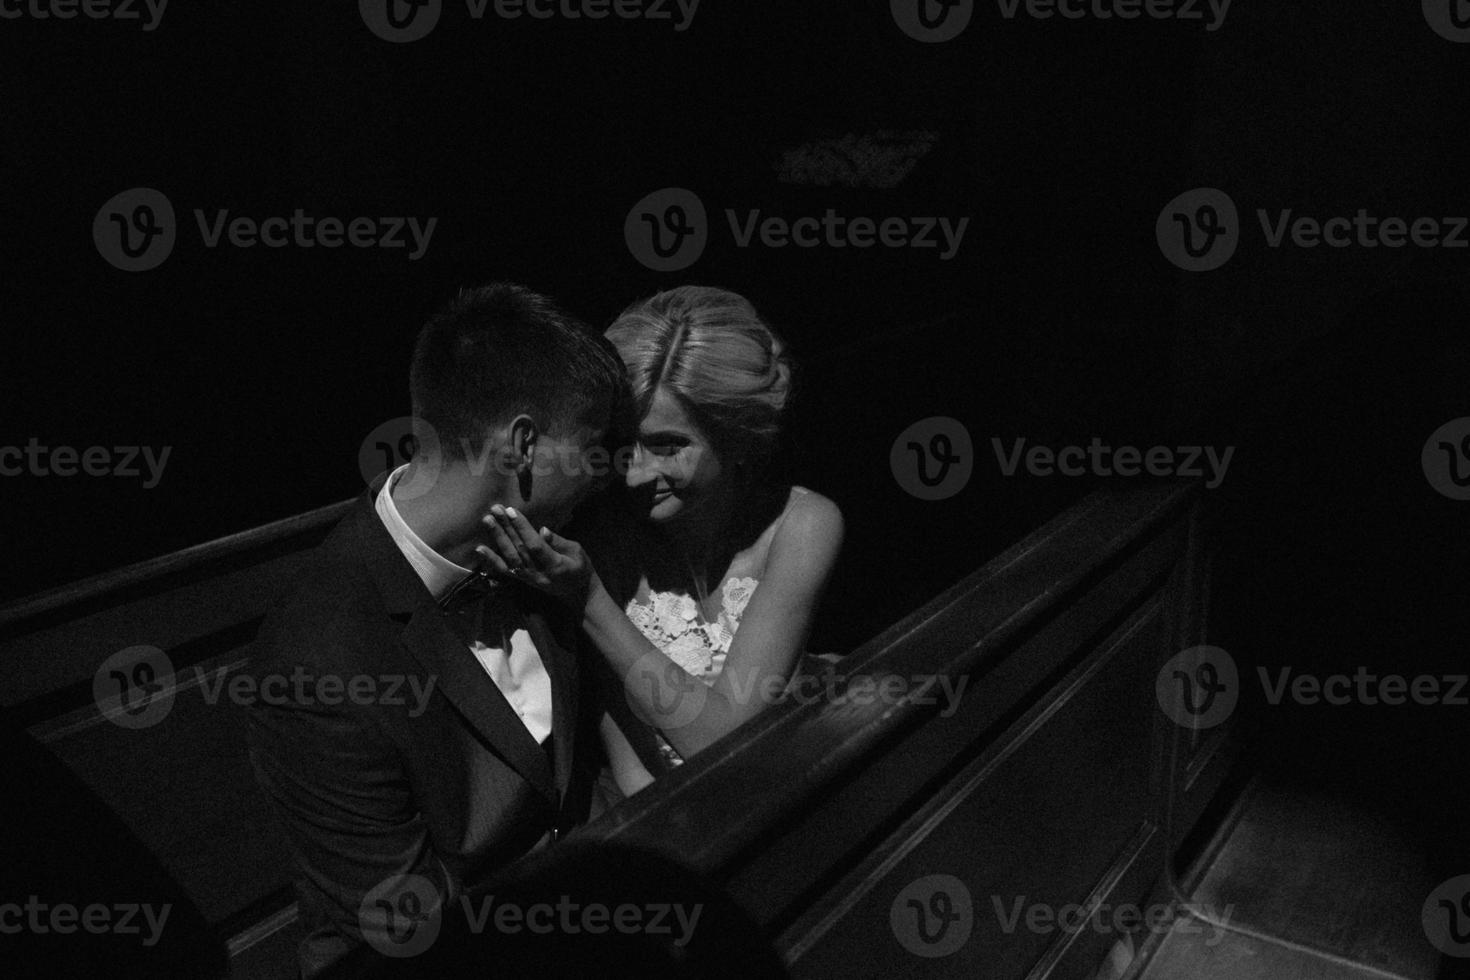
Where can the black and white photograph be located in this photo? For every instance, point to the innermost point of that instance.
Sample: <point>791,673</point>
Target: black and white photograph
<point>822,489</point>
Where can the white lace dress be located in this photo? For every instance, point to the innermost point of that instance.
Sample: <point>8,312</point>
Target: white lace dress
<point>671,622</point>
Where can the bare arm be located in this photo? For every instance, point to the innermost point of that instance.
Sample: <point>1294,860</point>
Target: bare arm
<point>627,769</point>
<point>773,629</point>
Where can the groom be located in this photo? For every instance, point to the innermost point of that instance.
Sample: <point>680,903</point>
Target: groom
<point>440,730</point>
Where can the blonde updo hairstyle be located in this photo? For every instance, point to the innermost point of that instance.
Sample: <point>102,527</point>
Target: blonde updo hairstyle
<point>711,350</point>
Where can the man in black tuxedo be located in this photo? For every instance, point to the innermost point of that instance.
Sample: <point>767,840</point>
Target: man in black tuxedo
<point>420,725</point>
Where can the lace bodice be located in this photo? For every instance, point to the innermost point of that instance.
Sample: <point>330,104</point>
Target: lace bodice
<point>672,622</point>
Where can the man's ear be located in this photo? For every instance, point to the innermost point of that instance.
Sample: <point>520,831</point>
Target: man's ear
<point>522,442</point>
<point>522,445</point>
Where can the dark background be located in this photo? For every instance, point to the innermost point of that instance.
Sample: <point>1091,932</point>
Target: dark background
<point>1059,320</point>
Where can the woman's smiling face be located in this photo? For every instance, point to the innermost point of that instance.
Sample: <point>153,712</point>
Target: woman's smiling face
<point>675,469</point>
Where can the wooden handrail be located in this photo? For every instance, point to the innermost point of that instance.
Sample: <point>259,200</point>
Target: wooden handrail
<point>805,748</point>
<point>97,588</point>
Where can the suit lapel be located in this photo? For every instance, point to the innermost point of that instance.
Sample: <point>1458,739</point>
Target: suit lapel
<point>434,645</point>
<point>464,682</point>
<point>561,667</point>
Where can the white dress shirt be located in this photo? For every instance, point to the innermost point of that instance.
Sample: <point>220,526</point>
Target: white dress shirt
<point>520,675</point>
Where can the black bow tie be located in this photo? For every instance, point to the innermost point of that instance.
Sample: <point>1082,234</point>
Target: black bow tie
<point>476,585</point>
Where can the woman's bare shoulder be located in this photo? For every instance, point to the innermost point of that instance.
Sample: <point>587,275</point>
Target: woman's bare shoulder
<point>810,511</point>
<point>809,518</point>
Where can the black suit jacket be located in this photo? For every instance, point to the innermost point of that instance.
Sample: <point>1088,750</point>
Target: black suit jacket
<point>447,785</point>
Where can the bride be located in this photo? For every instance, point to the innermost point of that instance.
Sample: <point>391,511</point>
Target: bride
<point>709,566</point>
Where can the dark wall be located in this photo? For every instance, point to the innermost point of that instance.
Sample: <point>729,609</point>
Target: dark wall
<point>1058,320</point>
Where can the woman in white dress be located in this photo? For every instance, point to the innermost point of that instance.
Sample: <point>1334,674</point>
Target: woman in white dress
<point>710,567</point>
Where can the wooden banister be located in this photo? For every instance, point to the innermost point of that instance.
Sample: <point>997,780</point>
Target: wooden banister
<point>816,813</point>
<point>154,573</point>
<point>809,816</point>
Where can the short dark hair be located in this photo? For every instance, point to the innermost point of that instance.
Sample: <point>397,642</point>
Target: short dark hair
<point>501,349</point>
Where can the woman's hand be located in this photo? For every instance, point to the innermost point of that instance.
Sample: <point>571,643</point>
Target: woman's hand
<point>541,559</point>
